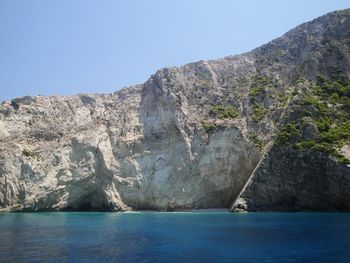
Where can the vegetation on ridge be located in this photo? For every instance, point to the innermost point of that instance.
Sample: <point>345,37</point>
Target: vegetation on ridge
<point>219,112</point>
<point>260,88</point>
<point>325,112</point>
<point>223,112</point>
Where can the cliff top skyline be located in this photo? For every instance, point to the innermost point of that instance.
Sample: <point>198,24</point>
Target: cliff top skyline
<point>88,46</point>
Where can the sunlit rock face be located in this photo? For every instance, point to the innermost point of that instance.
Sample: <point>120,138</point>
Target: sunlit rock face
<point>188,138</point>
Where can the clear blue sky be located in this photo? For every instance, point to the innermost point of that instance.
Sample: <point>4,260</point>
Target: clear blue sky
<point>74,46</point>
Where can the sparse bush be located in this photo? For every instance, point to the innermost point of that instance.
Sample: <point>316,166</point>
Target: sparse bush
<point>259,112</point>
<point>332,122</point>
<point>208,126</point>
<point>300,80</point>
<point>224,112</point>
<point>288,134</point>
<point>261,87</point>
<point>28,153</point>
<point>211,126</point>
<point>257,142</point>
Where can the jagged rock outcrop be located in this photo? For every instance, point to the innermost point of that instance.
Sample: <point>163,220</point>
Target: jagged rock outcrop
<point>188,138</point>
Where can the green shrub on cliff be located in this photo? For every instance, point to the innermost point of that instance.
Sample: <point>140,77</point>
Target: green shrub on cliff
<point>288,134</point>
<point>259,112</point>
<point>211,126</point>
<point>257,142</point>
<point>261,80</point>
<point>28,153</point>
<point>223,112</point>
<point>261,87</point>
<point>312,101</point>
<point>341,86</point>
<point>332,122</point>
<point>254,92</point>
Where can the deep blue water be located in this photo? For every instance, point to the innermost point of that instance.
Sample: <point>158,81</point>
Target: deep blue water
<point>175,237</point>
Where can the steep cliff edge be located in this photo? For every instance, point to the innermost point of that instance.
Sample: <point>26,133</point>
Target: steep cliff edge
<point>190,137</point>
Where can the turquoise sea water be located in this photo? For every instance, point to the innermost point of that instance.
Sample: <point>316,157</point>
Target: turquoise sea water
<point>174,237</point>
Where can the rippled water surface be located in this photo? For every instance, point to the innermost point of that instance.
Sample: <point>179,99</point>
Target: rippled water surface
<point>175,237</point>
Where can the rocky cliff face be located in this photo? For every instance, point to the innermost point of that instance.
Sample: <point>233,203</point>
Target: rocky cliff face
<point>190,137</point>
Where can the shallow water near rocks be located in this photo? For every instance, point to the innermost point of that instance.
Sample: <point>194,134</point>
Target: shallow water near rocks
<point>174,237</point>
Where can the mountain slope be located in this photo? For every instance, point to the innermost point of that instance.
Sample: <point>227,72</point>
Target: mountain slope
<point>190,137</point>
